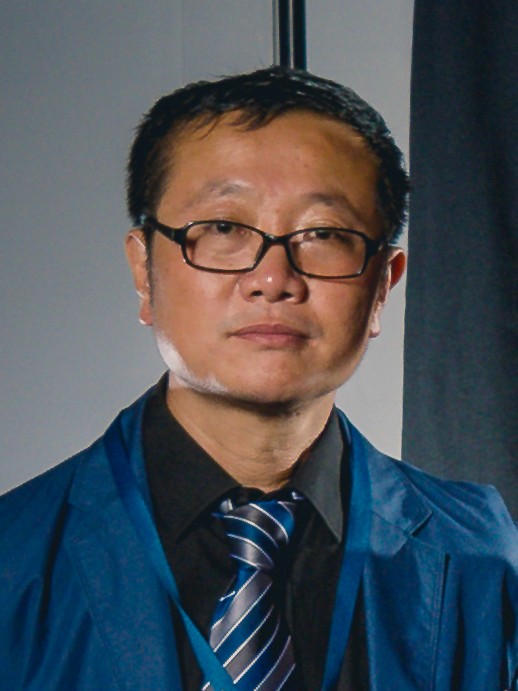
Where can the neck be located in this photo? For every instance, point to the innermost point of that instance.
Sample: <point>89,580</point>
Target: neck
<point>258,446</point>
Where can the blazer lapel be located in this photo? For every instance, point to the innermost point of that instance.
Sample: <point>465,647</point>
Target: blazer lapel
<point>125,599</point>
<point>403,584</point>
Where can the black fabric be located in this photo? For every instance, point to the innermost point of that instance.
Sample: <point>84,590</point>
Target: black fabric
<point>186,486</point>
<point>461,331</point>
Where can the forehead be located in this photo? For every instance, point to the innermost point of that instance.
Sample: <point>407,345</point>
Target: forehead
<point>297,153</point>
<point>303,124</point>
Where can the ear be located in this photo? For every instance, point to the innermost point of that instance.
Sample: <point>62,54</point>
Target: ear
<point>136,254</point>
<point>393,272</point>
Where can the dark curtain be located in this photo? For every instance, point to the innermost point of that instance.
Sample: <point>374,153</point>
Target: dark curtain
<point>461,340</point>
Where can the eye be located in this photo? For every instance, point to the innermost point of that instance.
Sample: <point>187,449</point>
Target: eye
<point>325,234</point>
<point>337,236</point>
<point>218,228</point>
<point>322,235</point>
<point>224,227</point>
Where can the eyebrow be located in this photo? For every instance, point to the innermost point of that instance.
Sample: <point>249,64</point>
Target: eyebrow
<point>217,189</point>
<point>334,200</point>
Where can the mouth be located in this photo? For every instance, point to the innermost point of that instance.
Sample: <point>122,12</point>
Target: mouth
<point>273,335</point>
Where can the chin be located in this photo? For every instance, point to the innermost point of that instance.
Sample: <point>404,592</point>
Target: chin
<point>275,399</point>
<point>263,405</point>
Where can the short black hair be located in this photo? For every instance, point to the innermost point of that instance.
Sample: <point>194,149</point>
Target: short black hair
<point>257,98</point>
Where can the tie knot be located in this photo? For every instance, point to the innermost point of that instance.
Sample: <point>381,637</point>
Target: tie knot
<point>258,532</point>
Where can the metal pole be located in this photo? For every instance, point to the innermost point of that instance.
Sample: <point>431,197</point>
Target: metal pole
<point>290,33</point>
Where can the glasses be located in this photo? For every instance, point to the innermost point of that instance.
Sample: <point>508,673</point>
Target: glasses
<point>226,247</point>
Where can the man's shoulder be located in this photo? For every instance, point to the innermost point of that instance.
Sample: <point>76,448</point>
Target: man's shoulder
<point>40,502</point>
<point>37,522</point>
<point>462,495</point>
<point>461,517</point>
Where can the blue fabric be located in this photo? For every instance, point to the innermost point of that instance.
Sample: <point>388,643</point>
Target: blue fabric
<point>358,527</point>
<point>141,518</point>
<point>82,609</point>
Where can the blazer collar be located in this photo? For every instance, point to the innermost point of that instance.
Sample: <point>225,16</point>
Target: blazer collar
<point>393,498</point>
<point>93,486</point>
<point>403,580</point>
<point>122,589</point>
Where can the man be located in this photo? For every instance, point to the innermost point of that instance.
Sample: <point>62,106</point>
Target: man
<point>232,529</point>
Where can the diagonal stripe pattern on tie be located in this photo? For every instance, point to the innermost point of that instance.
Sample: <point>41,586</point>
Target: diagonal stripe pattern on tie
<point>248,634</point>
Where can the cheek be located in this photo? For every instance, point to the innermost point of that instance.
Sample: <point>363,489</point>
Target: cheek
<point>185,301</point>
<point>349,310</point>
<point>168,299</point>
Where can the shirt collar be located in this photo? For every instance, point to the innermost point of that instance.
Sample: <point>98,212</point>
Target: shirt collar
<point>319,479</point>
<point>185,481</point>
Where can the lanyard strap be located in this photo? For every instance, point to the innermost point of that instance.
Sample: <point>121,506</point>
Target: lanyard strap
<point>355,549</point>
<point>145,528</point>
<point>356,546</point>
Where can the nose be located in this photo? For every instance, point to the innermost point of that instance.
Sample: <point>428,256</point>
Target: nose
<point>273,279</point>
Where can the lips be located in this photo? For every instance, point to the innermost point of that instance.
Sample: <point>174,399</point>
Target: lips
<point>270,329</point>
<point>271,334</point>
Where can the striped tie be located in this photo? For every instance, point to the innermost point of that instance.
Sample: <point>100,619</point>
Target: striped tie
<point>248,633</point>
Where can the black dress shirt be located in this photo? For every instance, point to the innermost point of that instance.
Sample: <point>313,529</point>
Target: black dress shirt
<point>186,486</point>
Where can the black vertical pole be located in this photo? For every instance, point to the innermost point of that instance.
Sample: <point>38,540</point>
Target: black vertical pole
<point>290,20</point>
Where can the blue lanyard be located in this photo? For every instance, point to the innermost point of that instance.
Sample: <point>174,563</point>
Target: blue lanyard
<point>356,547</point>
<point>355,550</point>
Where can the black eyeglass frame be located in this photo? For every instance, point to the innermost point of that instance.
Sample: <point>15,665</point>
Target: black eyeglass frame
<point>178,235</point>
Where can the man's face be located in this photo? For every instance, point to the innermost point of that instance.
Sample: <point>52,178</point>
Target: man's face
<point>270,336</point>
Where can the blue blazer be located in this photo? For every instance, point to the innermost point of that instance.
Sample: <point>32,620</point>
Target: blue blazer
<point>81,608</point>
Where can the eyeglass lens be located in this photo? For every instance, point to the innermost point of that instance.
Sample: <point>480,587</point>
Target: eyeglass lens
<point>228,246</point>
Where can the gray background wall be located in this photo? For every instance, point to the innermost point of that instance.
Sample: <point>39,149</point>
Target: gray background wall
<point>76,76</point>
